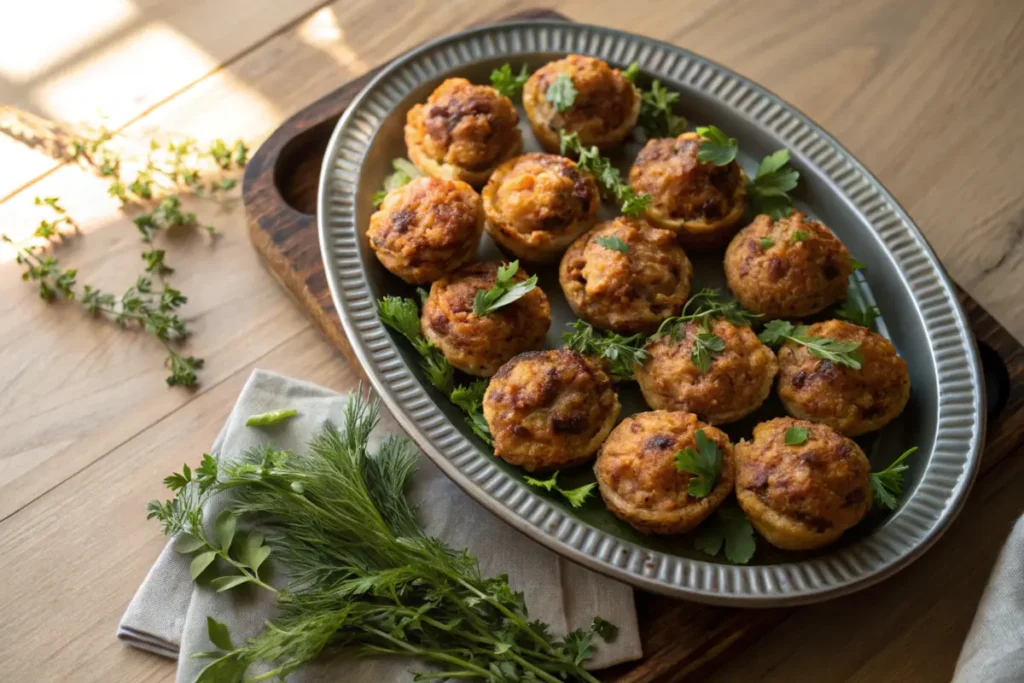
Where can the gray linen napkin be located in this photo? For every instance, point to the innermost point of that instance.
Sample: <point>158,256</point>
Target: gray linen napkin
<point>994,649</point>
<point>168,613</point>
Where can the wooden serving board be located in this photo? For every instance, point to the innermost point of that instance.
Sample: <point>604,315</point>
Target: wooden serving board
<point>682,641</point>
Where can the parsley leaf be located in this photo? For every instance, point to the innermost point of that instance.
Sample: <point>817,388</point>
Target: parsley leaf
<point>887,485</point>
<point>705,346</point>
<point>609,177</point>
<point>716,147</point>
<point>771,186</point>
<point>404,173</point>
<point>703,307</point>
<point>835,350</point>
<point>731,528</point>
<point>657,112</point>
<point>505,290</point>
<point>471,400</point>
<point>801,236</point>
<point>767,242</point>
<point>857,264</point>
<point>796,436</point>
<point>561,94</point>
<point>403,316</point>
<point>622,353</point>
<point>631,72</point>
<point>703,464</point>
<point>576,497</point>
<point>859,314</point>
<point>508,83</point>
<point>612,242</point>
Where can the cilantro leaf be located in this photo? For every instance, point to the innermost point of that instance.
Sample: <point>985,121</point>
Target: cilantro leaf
<point>887,485</point>
<point>576,644</point>
<point>728,527</point>
<point>504,292</point>
<point>703,464</point>
<point>859,314</point>
<point>402,315</point>
<point>508,83</point>
<point>657,112</point>
<point>716,147</point>
<point>622,353</point>
<point>561,94</point>
<point>404,173</point>
<point>613,242</point>
<point>796,436</point>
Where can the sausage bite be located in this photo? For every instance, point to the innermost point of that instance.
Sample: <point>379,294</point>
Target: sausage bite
<point>787,268</point>
<point>639,481</point>
<point>427,228</point>
<point>549,409</point>
<point>462,132</point>
<point>603,111</point>
<point>806,495</point>
<point>479,345</point>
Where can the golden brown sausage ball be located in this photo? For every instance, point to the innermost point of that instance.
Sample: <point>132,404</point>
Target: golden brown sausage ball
<point>537,204</point>
<point>603,113</point>
<point>549,409</point>
<point>480,345</point>
<point>737,382</point>
<point>636,472</point>
<point>462,132</point>
<point>699,201</point>
<point>804,496</point>
<point>789,268</point>
<point>427,228</point>
<point>850,401</point>
<point>627,291</point>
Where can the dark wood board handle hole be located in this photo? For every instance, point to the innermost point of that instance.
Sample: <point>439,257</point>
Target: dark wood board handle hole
<point>297,170</point>
<point>997,379</point>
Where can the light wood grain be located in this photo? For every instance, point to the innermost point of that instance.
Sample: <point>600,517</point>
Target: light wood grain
<point>926,93</point>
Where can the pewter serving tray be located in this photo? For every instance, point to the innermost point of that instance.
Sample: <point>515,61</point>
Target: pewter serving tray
<point>945,416</point>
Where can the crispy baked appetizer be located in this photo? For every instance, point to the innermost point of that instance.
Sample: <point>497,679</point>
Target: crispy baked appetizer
<point>639,478</point>
<point>580,95</point>
<point>851,401</point>
<point>549,409</point>
<point>427,228</point>
<point>626,275</point>
<point>462,132</point>
<point>537,204</point>
<point>801,491</point>
<point>736,382</point>
<point>699,201</point>
<point>788,268</point>
<point>479,345</point>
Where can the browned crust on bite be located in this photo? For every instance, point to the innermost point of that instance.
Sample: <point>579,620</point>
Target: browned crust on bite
<point>549,409</point>
<point>638,479</point>
<point>537,204</point>
<point>480,345</point>
<point>737,383</point>
<point>850,401</point>
<point>462,132</point>
<point>700,202</point>
<point>606,107</point>
<point>627,292</point>
<point>790,278</point>
<point>805,496</point>
<point>427,228</point>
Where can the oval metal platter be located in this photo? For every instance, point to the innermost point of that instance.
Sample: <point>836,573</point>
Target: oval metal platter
<point>920,314</point>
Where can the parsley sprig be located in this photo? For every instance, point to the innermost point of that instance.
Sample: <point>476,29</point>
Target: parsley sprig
<point>716,147</point>
<point>838,351</point>
<point>609,177</point>
<point>613,242</point>
<point>796,436</point>
<point>508,83</point>
<point>576,497</point>
<point>404,173</point>
<point>703,464</point>
<point>506,290</point>
<point>403,316</point>
<point>657,112</point>
<point>771,186</point>
<point>730,528</point>
<point>887,485</point>
<point>702,308</point>
<point>561,93</point>
<point>858,311</point>
<point>622,353</point>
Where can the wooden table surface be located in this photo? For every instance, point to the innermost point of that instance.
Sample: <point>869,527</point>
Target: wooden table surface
<point>928,93</point>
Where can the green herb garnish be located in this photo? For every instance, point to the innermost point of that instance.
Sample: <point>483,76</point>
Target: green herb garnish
<point>801,236</point>
<point>609,177</point>
<point>622,353</point>
<point>771,186</point>
<point>841,352</point>
<point>271,418</point>
<point>471,400</point>
<point>404,173</point>
<point>796,436</point>
<point>716,147</point>
<point>508,83</point>
<point>767,242</point>
<point>613,242</point>
<point>576,497</point>
<point>857,264</point>
<point>703,464</point>
<point>728,527</point>
<point>505,290</point>
<point>859,313</point>
<point>561,94</point>
<point>887,485</point>
<point>657,112</point>
<point>631,72</point>
<point>702,307</point>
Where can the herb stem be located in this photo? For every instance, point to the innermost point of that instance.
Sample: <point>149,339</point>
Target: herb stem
<point>512,616</point>
<point>440,656</point>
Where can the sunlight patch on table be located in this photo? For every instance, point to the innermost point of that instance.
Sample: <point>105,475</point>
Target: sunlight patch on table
<point>323,32</point>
